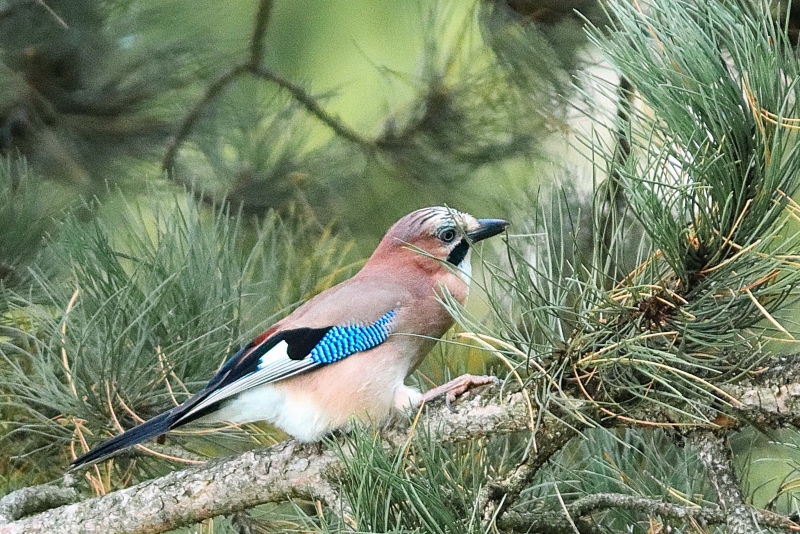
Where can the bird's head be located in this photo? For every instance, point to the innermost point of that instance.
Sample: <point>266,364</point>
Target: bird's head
<point>431,238</point>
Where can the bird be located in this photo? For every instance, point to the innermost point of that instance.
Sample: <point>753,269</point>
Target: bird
<point>345,353</point>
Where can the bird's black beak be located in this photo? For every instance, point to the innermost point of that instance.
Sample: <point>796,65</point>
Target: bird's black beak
<point>487,228</point>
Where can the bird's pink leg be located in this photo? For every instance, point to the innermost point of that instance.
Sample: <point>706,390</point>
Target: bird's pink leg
<point>456,387</point>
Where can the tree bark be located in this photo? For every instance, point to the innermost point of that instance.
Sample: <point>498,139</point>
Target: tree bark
<point>290,469</point>
<point>227,485</point>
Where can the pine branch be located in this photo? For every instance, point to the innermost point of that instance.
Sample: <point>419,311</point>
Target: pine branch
<point>465,116</point>
<point>612,208</point>
<point>557,523</point>
<point>715,455</point>
<point>260,32</point>
<point>34,499</point>
<point>213,90</point>
<point>499,495</point>
<point>312,106</point>
<point>290,470</point>
<point>220,487</point>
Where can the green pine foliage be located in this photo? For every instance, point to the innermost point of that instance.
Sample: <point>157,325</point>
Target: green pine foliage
<point>29,209</point>
<point>641,301</point>
<point>142,316</point>
<point>423,487</point>
<point>710,222</point>
<point>628,462</point>
<point>82,94</point>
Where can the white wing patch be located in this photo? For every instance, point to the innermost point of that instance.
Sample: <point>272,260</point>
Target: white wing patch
<point>274,365</point>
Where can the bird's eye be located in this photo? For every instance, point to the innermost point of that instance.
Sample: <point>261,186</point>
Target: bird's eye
<point>448,235</point>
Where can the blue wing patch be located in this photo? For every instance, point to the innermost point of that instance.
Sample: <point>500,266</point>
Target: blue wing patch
<point>342,341</point>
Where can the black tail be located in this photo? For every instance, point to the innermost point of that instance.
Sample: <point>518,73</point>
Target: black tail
<point>160,424</point>
<point>156,426</point>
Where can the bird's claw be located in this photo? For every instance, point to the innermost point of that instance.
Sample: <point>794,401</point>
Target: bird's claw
<point>456,387</point>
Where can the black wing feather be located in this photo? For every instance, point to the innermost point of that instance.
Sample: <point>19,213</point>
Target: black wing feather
<point>300,342</point>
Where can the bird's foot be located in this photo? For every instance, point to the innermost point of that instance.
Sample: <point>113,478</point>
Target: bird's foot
<point>309,447</point>
<point>458,386</point>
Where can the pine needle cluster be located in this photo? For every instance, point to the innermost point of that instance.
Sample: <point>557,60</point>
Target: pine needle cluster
<point>141,317</point>
<point>712,167</point>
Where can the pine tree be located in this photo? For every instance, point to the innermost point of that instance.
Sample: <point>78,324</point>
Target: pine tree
<point>640,331</point>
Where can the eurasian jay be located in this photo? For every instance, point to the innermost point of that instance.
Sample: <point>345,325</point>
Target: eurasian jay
<point>346,352</point>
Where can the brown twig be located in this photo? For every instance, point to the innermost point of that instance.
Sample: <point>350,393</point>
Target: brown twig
<point>211,92</point>
<point>64,358</point>
<point>254,65</point>
<point>305,99</point>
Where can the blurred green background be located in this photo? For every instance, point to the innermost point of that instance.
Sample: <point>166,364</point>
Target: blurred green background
<point>476,105</point>
<point>93,93</point>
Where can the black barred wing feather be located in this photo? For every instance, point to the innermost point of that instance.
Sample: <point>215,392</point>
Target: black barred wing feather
<point>285,354</point>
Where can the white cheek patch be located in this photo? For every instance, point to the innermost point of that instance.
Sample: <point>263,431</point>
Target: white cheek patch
<point>465,269</point>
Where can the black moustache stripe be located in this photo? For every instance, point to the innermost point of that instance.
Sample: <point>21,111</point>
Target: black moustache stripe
<point>458,253</point>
